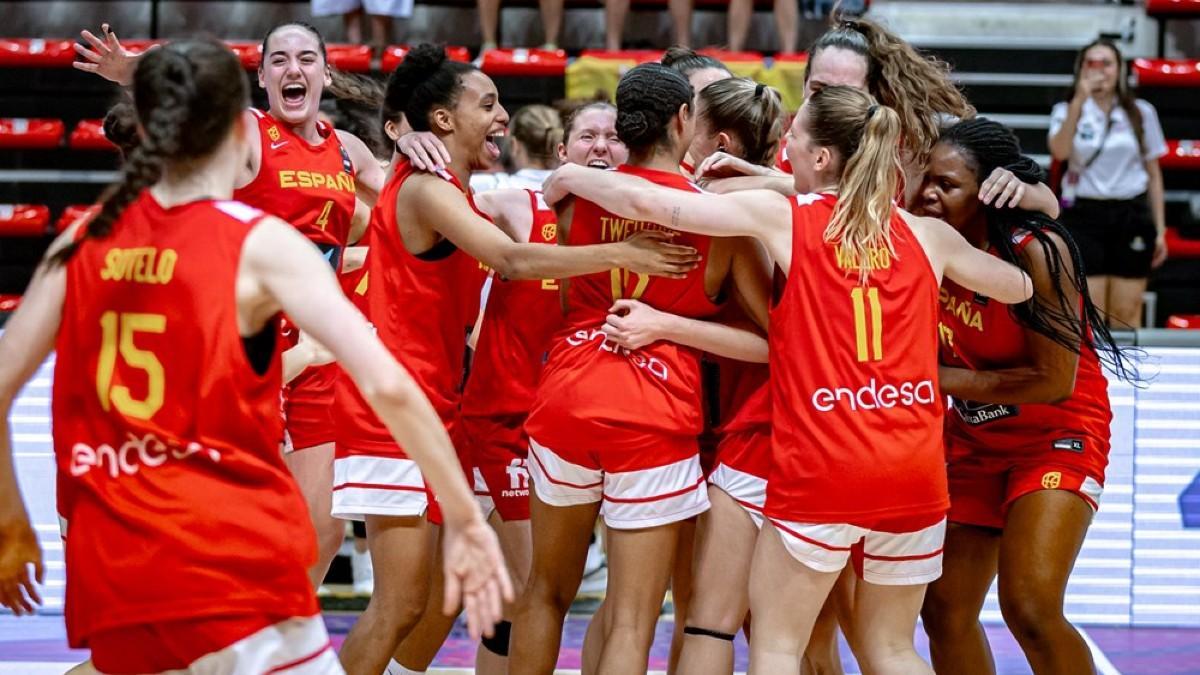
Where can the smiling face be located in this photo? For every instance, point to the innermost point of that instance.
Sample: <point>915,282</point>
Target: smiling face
<point>835,66</point>
<point>294,73</point>
<point>477,119</point>
<point>592,140</point>
<point>950,190</point>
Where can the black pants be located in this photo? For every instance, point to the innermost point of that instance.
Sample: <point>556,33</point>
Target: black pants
<point>1115,236</point>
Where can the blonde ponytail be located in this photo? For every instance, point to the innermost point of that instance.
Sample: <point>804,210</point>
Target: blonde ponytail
<point>867,139</point>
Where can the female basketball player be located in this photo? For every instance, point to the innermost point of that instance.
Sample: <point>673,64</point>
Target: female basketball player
<point>308,174</point>
<point>613,432</point>
<point>534,133</point>
<point>163,411</point>
<point>856,422</point>
<point>424,234</point>
<point>517,320</point>
<point>1028,440</point>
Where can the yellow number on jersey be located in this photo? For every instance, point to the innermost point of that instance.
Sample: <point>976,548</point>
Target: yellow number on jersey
<point>118,334</point>
<point>875,353</point>
<point>323,219</point>
<point>620,278</point>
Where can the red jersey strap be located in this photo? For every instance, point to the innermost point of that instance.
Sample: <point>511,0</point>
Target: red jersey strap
<point>664,178</point>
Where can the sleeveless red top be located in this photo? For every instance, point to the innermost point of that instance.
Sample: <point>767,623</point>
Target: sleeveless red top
<point>168,435</point>
<point>420,307</point>
<point>592,388</point>
<point>981,334</point>
<point>856,414</point>
<point>310,186</point>
<point>519,319</point>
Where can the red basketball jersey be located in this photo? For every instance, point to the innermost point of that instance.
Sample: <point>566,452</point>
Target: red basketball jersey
<point>856,414</point>
<point>310,186</point>
<point>420,307</point>
<point>181,506</point>
<point>745,396</point>
<point>518,321</point>
<point>981,334</point>
<point>594,389</point>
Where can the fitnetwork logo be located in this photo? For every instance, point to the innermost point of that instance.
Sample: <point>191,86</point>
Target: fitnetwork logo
<point>874,396</point>
<point>518,479</point>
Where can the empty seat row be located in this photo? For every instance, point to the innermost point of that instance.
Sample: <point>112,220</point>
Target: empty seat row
<point>35,134</point>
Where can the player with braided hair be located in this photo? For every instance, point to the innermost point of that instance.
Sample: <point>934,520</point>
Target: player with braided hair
<point>1028,439</point>
<point>189,545</point>
<point>425,234</point>
<point>613,431</point>
<point>857,456</point>
<point>305,172</point>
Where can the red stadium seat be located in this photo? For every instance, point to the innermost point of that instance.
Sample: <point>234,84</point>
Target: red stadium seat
<point>70,215</point>
<point>350,58</point>
<point>89,135</point>
<point>28,134</point>
<point>1178,247</point>
<point>394,54</point>
<point>1173,8</point>
<point>1167,72</point>
<point>725,56</point>
<point>1182,155</point>
<point>1184,321</point>
<point>36,53</point>
<point>525,62</point>
<point>250,53</point>
<point>9,302</point>
<point>23,220</point>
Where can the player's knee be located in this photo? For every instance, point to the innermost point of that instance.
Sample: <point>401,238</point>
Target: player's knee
<point>1030,616</point>
<point>944,617</point>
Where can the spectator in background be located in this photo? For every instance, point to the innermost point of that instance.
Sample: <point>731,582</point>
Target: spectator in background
<point>532,151</point>
<point>380,12</point>
<point>787,23</point>
<point>1112,187</point>
<point>489,22</point>
<point>615,12</point>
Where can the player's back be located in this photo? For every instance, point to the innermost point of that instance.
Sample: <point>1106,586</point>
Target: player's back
<point>166,422</point>
<point>590,381</point>
<point>857,418</point>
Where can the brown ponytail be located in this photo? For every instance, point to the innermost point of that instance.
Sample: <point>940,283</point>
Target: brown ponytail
<point>187,94</point>
<point>539,129</point>
<point>866,138</point>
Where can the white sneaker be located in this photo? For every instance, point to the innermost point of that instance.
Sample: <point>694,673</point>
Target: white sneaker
<point>362,573</point>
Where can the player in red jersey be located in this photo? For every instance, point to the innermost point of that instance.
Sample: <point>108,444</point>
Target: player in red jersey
<point>513,335</point>
<point>856,448</point>
<point>613,432</point>
<point>423,235</point>
<point>308,174</point>
<point>1028,439</point>
<point>163,411</point>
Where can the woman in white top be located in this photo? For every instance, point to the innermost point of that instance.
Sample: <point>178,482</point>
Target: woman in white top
<point>533,150</point>
<point>1113,186</point>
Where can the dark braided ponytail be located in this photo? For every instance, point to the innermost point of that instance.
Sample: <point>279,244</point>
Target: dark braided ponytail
<point>986,145</point>
<point>648,97</point>
<point>187,96</point>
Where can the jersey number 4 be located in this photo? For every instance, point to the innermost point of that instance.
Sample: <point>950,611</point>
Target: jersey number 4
<point>117,335</point>
<point>868,333</point>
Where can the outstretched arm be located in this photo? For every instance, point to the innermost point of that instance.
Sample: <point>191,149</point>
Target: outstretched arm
<point>443,209</point>
<point>282,269</point>
<point>107,58</point>
<point>954,257</point>
<point>766,216</point>
<point>26,342</point>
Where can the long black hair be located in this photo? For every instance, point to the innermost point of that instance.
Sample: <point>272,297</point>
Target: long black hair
<point>986,145</point>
